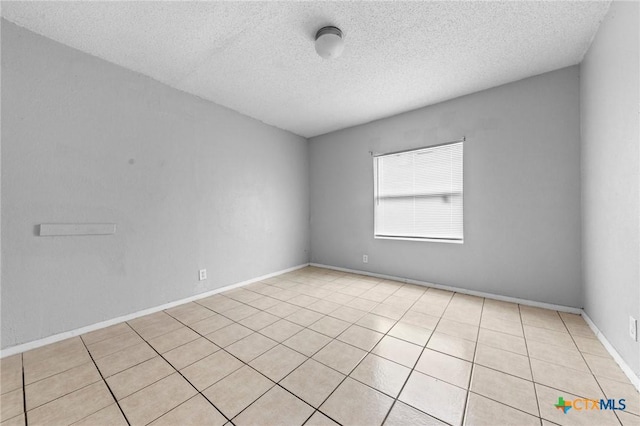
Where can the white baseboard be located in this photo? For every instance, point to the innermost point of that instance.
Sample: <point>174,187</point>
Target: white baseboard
<point>67,334</point>
<point>635,380</point>
<point>560,308</point>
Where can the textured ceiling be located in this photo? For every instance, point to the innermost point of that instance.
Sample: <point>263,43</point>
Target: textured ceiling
<point>258,58</point>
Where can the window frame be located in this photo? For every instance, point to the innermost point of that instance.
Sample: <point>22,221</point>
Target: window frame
<point>375,196</point>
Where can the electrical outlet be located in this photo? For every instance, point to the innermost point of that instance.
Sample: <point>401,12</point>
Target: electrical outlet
<point>365,258</point>
<point>633,328</point>
<point>203,274</point>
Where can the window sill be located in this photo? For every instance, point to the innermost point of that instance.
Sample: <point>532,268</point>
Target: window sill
<point>429,240</point>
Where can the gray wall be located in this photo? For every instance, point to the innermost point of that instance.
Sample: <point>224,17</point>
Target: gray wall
<point>521,199</point>
<point>189,184</point>
<point>610,178</point>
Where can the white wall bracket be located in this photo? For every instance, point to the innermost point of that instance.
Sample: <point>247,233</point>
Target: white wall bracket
<point>71,229</point>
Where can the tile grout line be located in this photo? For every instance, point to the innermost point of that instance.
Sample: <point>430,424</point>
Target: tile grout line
<point>588,366</point>
<point>177,371</point>
<point>360,361</point>
<point>56,374</point>
<point>529,361</point>
<point>282,343</point>
<point>473,365</point>
<point>384,335</point>
<point>453,356</point>
<point>220,348</point>
<point>335,338</point>
<point>224,377</point>
<point>317,410</point>
<point>277,343</point>
<point>106,384</point>
<point>24,389</point>
<point>555,363</point>
<point>550,362</point>
<point>331,339</point>
<point>513,375</point>
<point>214,312</point>
<point>301,307</point>
<point>526,346</point>
<point>70,392</point>
<point>106,338</point>
<point>484,366</point>
<point>560,365</point>
<point>258,332</point>
<point>418,360</point>
<point>532,381</point>
<point>134,365</point>
<point>369,352</point>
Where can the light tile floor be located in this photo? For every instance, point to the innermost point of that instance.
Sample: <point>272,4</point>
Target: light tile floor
<point>320,347</point>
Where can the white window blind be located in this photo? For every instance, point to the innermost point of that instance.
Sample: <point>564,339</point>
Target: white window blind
<point>418,194</point>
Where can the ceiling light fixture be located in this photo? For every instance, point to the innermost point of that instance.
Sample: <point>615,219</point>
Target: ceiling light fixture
<point>329,42</point>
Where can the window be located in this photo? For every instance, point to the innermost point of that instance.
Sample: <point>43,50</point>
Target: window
<point>418,194</point>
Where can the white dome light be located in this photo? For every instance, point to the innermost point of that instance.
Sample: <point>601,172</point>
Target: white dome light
<point>329,42</point>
